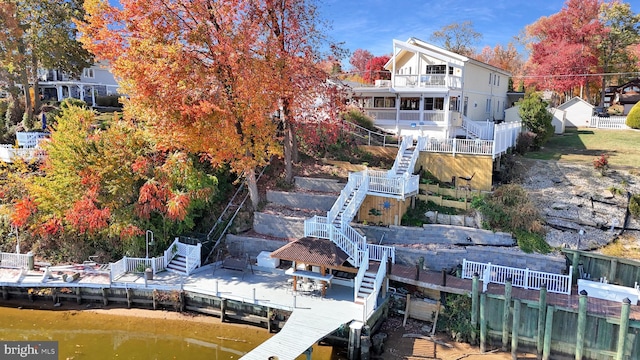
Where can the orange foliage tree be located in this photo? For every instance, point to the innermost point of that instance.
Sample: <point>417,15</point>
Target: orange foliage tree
<point>208,76</point>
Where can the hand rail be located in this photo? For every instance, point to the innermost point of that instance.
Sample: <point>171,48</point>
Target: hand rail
<point>357,282</point>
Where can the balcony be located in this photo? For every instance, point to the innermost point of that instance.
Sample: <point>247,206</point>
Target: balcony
<point>427,81</point>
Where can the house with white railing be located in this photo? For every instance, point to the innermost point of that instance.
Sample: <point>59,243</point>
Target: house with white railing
<point>94,81</point>
<point>437,93</point>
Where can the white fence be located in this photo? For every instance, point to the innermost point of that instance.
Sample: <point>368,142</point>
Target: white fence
<point>522,278</point>
<point>612,122</point>
<point>136,265</point>
<point>12,260</point>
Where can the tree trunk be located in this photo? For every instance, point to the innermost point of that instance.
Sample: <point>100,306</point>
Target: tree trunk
<point>25,88</point>
<point>36,91</point>
<point>252,185</point>
<point>288,144</point>
<point>294,144</point>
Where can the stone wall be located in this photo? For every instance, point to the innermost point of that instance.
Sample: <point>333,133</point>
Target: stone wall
<point>240,245</point>
<point>434,234</point>
<point>302,200</point>
<point>444,258</point>
<point>278,226</point>
<point>322,185</point>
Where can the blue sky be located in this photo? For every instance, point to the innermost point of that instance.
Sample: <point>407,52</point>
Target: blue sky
<point>373,24</point>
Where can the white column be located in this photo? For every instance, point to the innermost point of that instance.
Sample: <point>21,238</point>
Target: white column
<point>397,113</point>
<point>447,112</point>
<point>93,96</point>
<point>59,91</point>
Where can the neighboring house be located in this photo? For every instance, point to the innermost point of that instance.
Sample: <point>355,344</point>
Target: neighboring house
<point>626,95</point>
<point>577,112</point>
<point>434,92</point>
<point>94,81</point>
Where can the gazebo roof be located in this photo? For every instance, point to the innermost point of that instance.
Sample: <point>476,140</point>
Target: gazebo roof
<point>312,251</point>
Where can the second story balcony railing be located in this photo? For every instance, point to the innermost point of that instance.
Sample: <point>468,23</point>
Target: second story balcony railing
<point>428,81</point>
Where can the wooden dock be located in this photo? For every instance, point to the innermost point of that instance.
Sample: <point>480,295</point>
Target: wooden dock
<point>304,328</point>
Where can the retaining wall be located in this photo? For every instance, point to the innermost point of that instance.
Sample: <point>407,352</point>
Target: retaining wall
<point>322,185</point>
<point>278,226</point>
<point>434,234</point>
<point>239,245</point>
<point>302,200</point>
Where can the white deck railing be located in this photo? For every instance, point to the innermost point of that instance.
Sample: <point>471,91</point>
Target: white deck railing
<point>12,260</point>
<point>481,129</point>
<point>377,252</point>
<point>407,141</point>
<point>504,137</point>
<point>372,299</point>
<point>191,253</point>
<point>357,281</point>
<point>522,278</point>
<point>612,122</point>
<point>319,227</point>
<point>30,139</point>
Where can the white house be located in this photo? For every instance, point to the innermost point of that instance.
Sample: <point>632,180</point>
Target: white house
<point>577,112</point>
<point>434,92</point>
<point>94,81</point>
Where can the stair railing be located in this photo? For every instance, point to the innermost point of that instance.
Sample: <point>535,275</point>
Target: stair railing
<point>407,140</point>
<point>360,276</point>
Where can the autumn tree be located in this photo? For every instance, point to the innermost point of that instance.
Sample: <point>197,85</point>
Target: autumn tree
<point>290,49</point>
<point>359,60</point>
<point>374,70</point>
<point>101,189</point>
<point>564,47</point>
<point>459,38</point>
<point>506,58</point>
<point>621,33</point>
<point>195,73</point>
<point>40,34</point>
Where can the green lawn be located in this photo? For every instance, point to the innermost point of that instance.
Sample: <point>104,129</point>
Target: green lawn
<point>584,145</point>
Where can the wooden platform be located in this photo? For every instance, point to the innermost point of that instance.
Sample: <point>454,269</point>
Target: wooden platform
<point>304,328</point>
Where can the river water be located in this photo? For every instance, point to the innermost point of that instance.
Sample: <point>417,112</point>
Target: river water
<point>135,334</point>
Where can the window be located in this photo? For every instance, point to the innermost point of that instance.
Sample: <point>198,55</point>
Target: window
<point>409,103</point>
<point>436,69</point>
<point>498,80</point>
<point>88,73</point>
<point>489,79</point>
<point>466,105</point>
<point>494,79</point>
<point>487,107</point>
<point>434,103</point>
<point>384,102</point>
<point>453,103</point>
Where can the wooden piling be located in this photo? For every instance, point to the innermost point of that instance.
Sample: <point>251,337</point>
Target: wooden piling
<point>154,299</point>
<point>269,316</point>
<point>5,293</point>
<point>223,309</point>
<point>613,267</point>
<point>105,298</point>
<point>582,324</point>
<point>624,328</point>
<point>129,298</point>
<point>483,323</point>
<point>576,268</point>
<point>542,309</point>
<point>54,295</point>
<point>78,296</point>
<point>474,308</point>
<point>182,303</point>
<point>515,330</point>
<point>505,315</point>
<point>546,348</point>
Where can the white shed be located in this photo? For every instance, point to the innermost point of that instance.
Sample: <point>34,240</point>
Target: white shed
<point>577,112</point>
<point>558,121</point>
<point>512,114</point>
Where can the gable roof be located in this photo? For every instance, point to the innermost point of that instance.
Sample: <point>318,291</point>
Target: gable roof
<point>416,45</point>
<point>572,101</point>
<point>314,251</point>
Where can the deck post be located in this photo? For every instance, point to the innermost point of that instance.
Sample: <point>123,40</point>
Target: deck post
<point>355,329</point>
<point>505,314</point>
<point>54,295</point>
<point>78,296</point>
<point>624,328</point>
<point>154,299</point>
<point>223,309</point>
<point>612,270</point>
<point>483,322</point>
<point>582,324</point>
<point>474,308</point>
<point>105,298</point>
<point>308,353</point>
<point>574,262</point>
<point>515,330</point>
<point>546,348</point>
<point>542,305</point>
<point>269,316</point>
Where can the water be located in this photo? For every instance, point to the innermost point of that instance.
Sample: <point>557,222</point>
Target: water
<point>118,334</point>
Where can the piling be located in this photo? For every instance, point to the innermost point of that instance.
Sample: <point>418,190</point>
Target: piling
<point>105,297</point>
<point>582,324</point>
<point>129,298</point>
<point>54,295</point>
<point>505,315</point>
<point>353,350</point>
<point>515,330</point>
<point>474,308</point>
<point>78,296</point>
<point>5,293</point>
<point>483,322</point>
<point>542,306</point>
<point>624,327</point>
<point>546,348</point>
<point>223,309</point>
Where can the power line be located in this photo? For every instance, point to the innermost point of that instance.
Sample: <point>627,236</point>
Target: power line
<point>576,75</point>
